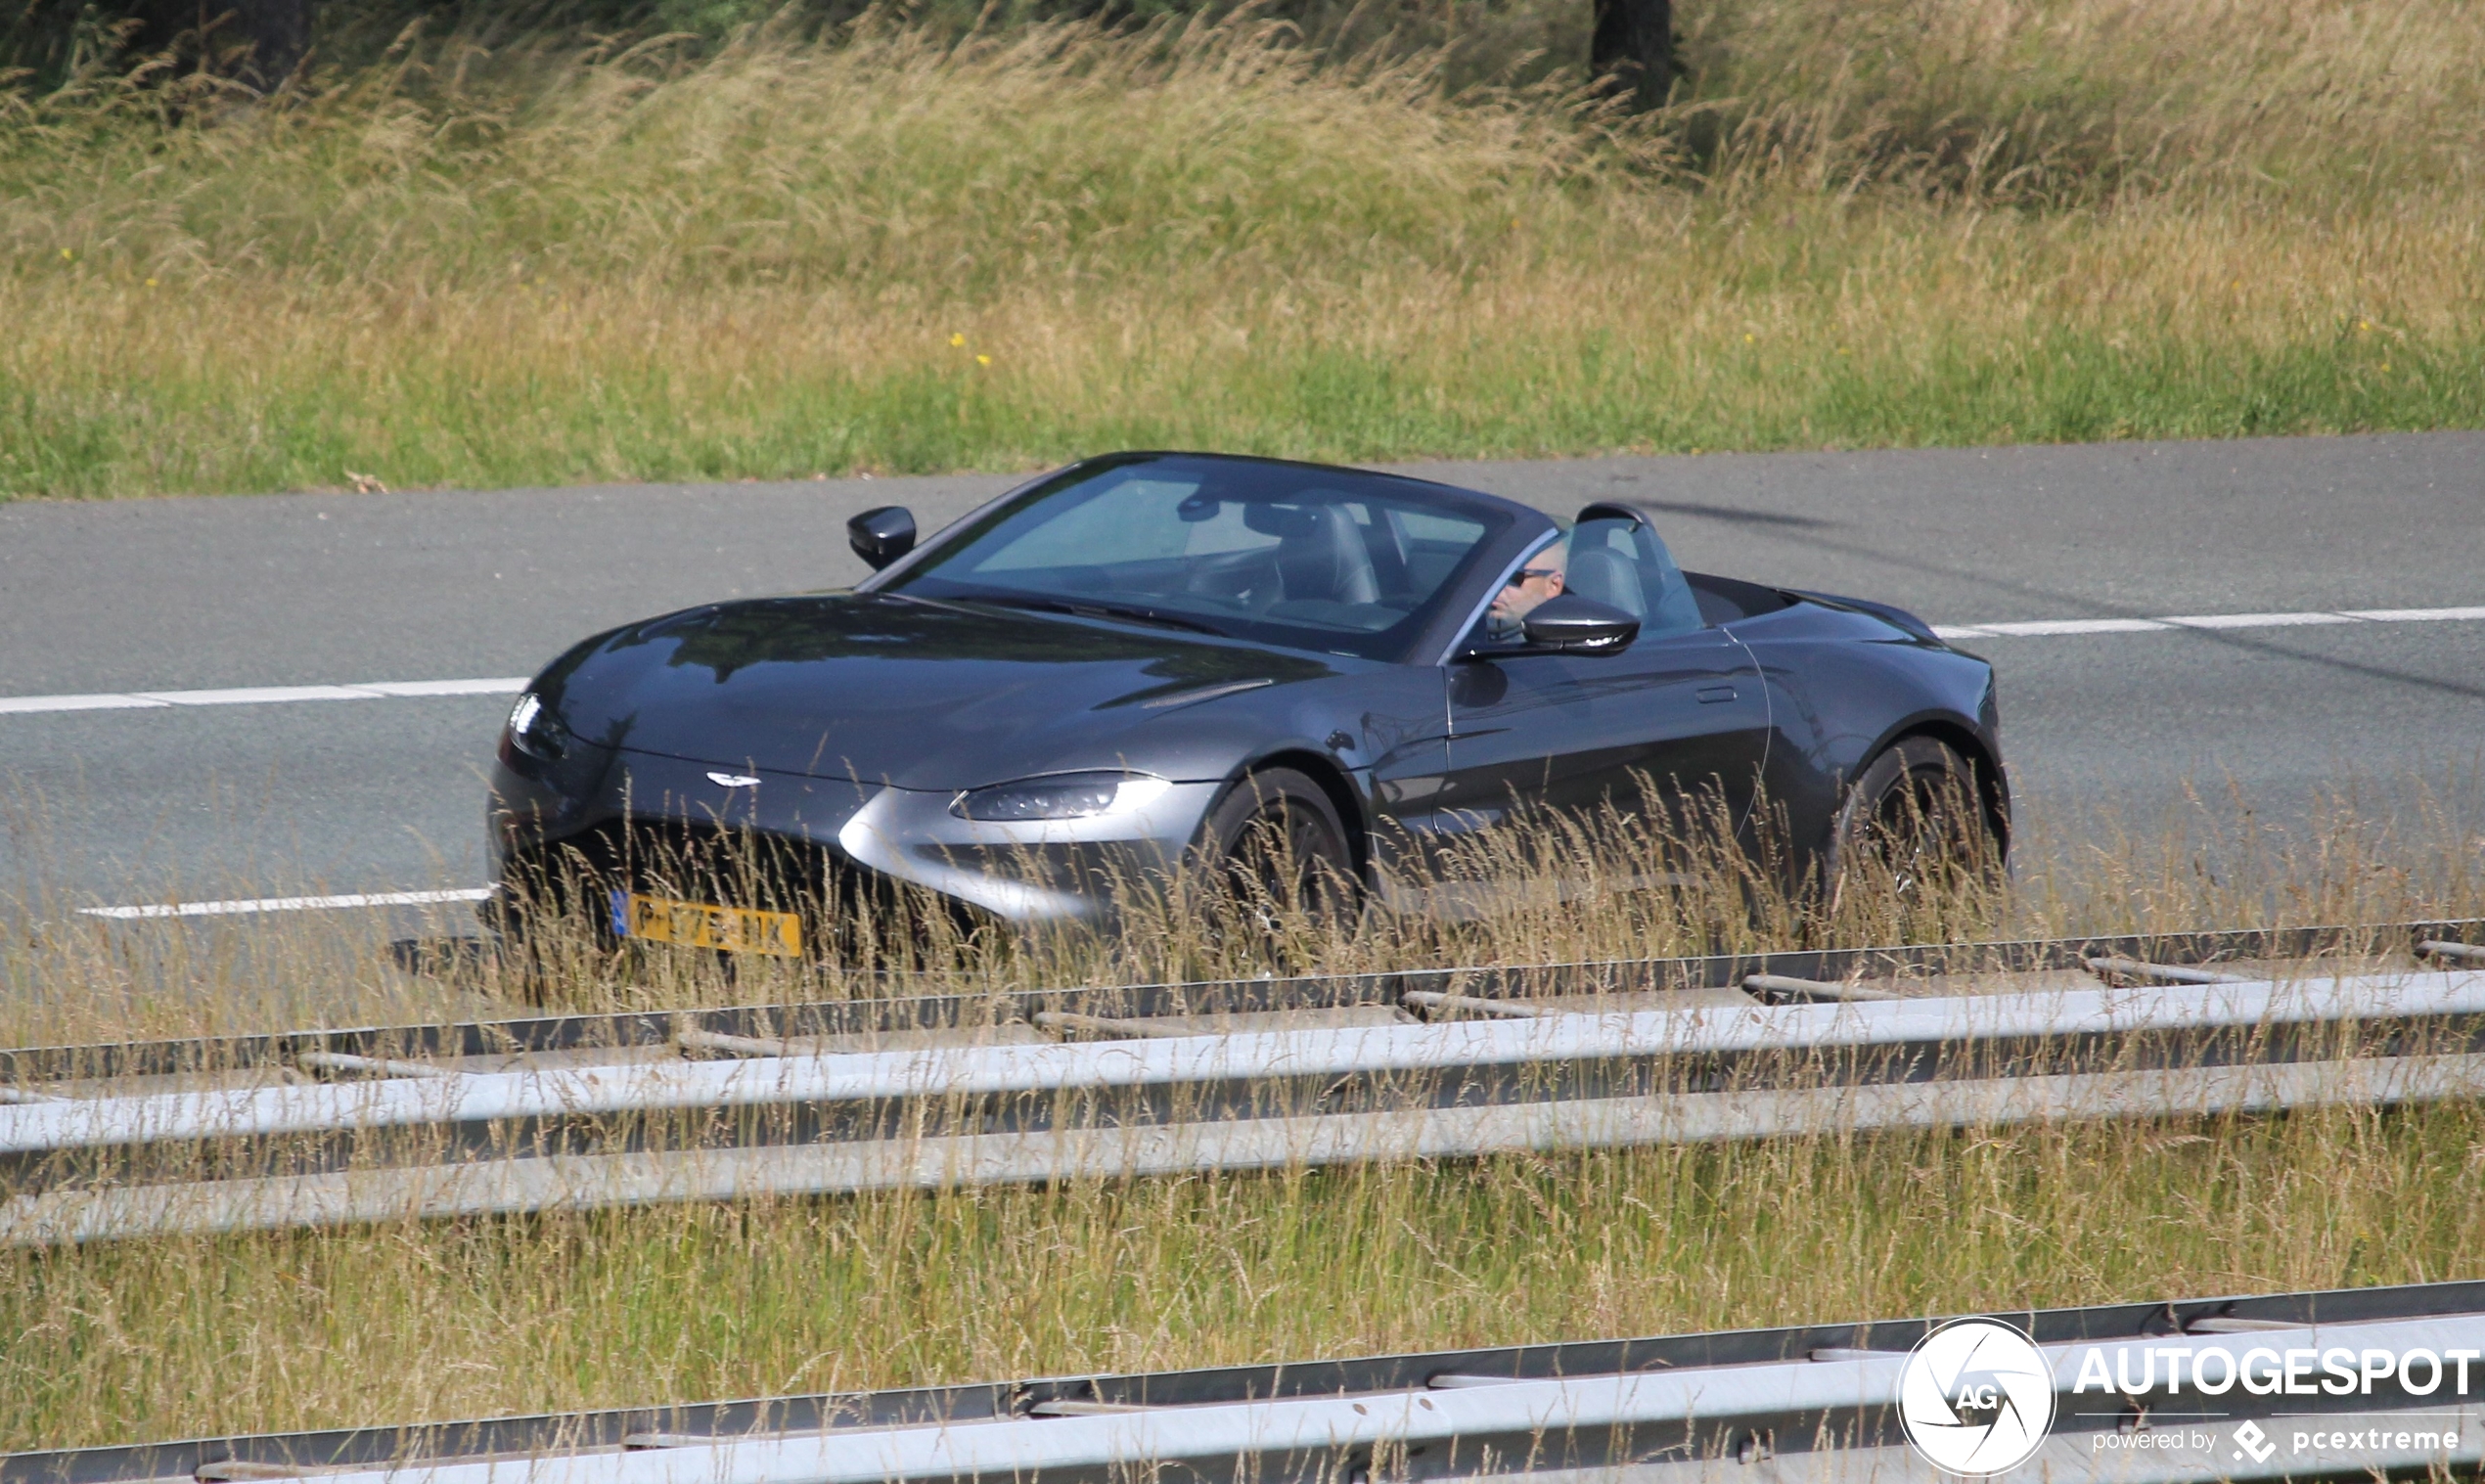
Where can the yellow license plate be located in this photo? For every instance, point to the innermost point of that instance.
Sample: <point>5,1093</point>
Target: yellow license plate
<point>704,925</point>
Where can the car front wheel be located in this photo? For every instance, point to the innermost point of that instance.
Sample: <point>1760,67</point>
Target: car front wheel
<point>1276,847</point>
<point>1916,816</point>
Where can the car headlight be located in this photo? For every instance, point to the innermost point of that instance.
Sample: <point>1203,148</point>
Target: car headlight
<point>536,730</point>
<point>1057,796</point>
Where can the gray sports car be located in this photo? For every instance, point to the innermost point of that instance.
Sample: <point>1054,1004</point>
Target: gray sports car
<point>1147,659</point>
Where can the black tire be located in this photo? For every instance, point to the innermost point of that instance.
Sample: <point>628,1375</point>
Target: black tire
<point>545,927</point>
<point>1918,812</point>
<point>1274,843</point>
<point>515,919</point>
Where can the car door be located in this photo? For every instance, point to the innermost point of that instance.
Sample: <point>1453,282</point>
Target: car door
<point>1402,731</point>
<point>1682,709</point>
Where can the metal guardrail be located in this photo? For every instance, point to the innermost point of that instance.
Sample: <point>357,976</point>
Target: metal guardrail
<point>28,1068</point>
<point>1896,1040</point>
<point>1814,1402</point>
<point>1795,1056</point>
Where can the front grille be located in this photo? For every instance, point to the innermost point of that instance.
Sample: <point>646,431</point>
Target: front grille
<point>689,863</point>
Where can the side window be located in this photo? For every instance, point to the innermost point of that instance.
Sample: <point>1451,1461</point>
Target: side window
<point>1537,578</point>
<point>1622,564</point>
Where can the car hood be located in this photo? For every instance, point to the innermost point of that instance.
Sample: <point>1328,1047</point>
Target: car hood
<point>884,689</point>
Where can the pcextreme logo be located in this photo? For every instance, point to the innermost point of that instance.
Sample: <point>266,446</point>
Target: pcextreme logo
<point>1977,1397</point>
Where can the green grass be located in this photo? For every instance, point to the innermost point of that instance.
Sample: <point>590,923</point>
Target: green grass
<point>455,424</point>
<point>545,261</point>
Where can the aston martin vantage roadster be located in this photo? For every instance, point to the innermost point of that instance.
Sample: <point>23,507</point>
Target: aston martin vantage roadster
<point>1151,661</point>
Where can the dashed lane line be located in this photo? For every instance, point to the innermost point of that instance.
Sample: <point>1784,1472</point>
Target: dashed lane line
<point>2049,627</point>
<point>387,689</point>
<point>290,904</point>
<point>398,689</point>
<point>257,696</point>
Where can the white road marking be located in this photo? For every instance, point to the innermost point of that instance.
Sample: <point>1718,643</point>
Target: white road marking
<point>290,904</point>
<point>2413,616</point>
<point>2257,621</point>
<point>74,702</point>
<point>380,689</point>
<point>258,695</point>
<point>2049,627</point>
<point>376,689</point>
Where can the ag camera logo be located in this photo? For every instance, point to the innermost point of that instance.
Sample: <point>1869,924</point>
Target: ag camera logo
<point>1977,1397</point>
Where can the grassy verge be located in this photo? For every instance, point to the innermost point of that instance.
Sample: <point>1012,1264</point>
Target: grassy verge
<point>534,262</point>
<point>407,1320</point>
<point>175,1338</point>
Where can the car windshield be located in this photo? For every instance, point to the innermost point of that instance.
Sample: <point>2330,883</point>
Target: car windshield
<point>1281,554</point>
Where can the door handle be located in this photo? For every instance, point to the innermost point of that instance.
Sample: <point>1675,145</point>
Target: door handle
<point>1712,694</point>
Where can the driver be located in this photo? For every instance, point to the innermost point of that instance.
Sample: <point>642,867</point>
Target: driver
<point>1539,579</point>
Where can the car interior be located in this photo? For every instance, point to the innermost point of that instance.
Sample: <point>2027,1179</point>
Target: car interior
<point>1323,557</point>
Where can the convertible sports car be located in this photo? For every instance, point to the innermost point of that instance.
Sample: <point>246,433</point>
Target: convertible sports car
<point>1317,676</point>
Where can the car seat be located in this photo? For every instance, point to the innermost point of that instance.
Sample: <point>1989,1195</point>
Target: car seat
<point>1604,575</point>
<point>1322,558</point>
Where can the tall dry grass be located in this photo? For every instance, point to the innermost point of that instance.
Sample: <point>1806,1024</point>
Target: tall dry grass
<point>193,1337</point>
<point>1887,223</point>
<point>2080,101</point>
<point>1611,887</point>
<point>407,1320</point>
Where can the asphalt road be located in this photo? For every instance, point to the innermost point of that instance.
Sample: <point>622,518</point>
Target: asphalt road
<point>183,803</point>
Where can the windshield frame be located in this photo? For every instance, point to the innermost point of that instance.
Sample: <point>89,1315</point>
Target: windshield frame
<point>1416,639</point>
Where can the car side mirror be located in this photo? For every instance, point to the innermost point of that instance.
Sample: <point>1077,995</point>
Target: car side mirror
<point>881,536</point>
<point>1579,626</point>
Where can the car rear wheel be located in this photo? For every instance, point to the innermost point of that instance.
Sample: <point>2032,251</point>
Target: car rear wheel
<point>1276,847</point>
<point>1915,817</point>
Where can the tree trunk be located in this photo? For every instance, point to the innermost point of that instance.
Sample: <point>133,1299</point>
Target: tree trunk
<point>1633,52</point>
<point>277,31</point>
